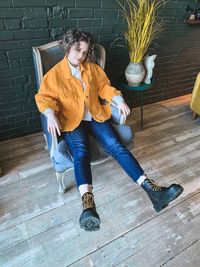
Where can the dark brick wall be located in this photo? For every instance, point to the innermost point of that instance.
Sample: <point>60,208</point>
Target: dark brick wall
<point>27,23</point>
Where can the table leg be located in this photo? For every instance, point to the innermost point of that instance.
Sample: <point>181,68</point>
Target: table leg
<point>194,115</point>
<point>141,106</point>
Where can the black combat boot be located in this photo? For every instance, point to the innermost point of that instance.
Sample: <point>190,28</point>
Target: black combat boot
<point>161,196</point>
<point>89,219</point>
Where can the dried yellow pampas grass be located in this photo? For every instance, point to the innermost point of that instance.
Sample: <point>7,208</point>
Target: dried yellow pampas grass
<point>142,26</point>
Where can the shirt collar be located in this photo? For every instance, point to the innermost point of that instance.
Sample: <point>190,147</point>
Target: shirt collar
<point>66,70</point>
<point>73,69</point>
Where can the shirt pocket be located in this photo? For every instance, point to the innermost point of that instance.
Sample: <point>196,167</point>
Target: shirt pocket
<point>67,94</point>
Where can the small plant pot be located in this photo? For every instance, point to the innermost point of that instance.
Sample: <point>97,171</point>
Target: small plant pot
<point>135,73</point>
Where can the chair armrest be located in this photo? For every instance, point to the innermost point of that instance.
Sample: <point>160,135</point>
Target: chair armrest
<point>116,116</point>
<point>51,141</point>
<point>54,145</point>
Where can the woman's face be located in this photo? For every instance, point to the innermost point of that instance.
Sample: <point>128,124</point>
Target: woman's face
<point>78,53</point>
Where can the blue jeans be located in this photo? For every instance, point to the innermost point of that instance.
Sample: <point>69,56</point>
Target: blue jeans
<point>78,142</point>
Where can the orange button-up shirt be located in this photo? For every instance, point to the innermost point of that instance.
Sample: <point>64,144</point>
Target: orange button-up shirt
<point>64,94</point>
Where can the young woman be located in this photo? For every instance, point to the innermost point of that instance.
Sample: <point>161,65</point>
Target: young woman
<point>69,98</point>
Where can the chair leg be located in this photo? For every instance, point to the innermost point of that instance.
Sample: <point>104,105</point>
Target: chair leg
<point>59,177</point>
<point>194,115</point>
<point>65,180</point>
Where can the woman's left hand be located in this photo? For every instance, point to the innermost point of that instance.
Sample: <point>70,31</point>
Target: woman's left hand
<point>124,108</point>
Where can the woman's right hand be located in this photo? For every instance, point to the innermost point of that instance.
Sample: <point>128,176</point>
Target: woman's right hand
<point>53,124</point>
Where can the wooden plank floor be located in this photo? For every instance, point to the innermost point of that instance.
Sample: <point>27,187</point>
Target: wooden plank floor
<point>40,227</point>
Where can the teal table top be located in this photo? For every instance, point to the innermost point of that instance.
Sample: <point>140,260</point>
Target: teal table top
<point>141,87</point>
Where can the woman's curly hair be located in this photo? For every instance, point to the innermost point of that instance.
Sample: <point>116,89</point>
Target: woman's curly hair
<point>75,36</point>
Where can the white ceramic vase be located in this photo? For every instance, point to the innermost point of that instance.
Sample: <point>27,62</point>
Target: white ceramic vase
<point>135,73</point>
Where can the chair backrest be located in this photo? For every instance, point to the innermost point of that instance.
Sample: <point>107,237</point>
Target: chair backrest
<point>48,55</point>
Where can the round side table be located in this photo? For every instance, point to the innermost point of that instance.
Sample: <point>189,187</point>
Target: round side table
<point>141,89</point>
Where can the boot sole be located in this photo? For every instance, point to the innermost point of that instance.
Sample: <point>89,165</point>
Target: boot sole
<point>89,222</point>
<point>172,195</point>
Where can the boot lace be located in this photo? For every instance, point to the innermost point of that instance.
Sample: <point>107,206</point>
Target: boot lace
<point>151,183</point>
<point>88,201</point>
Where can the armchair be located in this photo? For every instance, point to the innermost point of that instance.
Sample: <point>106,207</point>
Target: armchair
<point>45,57</point>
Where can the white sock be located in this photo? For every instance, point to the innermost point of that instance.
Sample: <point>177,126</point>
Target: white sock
<point>141,179</point>
<point>84,188</point>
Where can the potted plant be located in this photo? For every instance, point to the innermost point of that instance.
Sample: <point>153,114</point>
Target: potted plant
<point>142,28</point>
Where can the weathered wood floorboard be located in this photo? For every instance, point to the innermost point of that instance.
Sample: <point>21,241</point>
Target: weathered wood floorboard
<point>40,227</point>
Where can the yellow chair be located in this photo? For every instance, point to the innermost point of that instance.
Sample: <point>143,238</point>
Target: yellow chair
<point>195,101</point>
